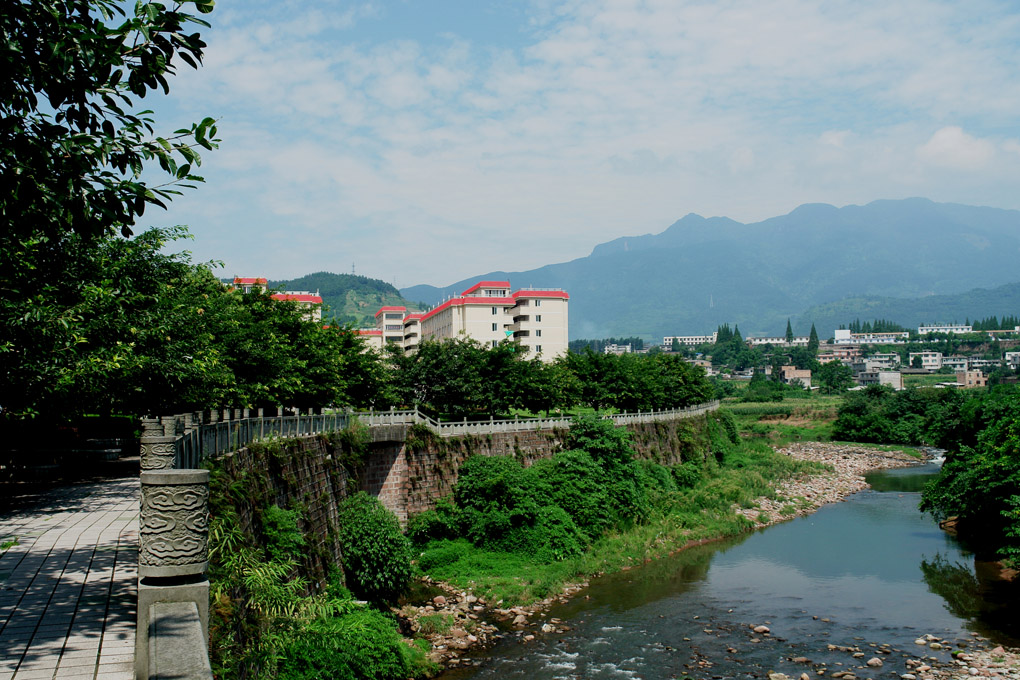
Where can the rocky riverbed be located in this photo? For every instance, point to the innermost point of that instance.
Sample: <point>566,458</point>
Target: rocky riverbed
<point>457,621</point>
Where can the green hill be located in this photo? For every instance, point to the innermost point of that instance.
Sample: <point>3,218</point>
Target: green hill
<point>347,298</point>
<point>979,303</point>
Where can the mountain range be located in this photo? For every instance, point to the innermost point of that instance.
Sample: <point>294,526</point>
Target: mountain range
<point>814,264</point>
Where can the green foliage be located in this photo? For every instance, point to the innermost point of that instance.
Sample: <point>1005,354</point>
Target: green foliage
<point>376,555</point>
<point>347,298</point>
<point>443,552</point>
<point>914,416</point>
<point>833,377</point>
<point>574,481</point>
<point>284,541</point>
<point>980,482</point>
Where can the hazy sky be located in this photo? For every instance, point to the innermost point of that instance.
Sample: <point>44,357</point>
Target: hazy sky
<point>428,141</point>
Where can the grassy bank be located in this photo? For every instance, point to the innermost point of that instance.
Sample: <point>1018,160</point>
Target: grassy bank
<point>674,516</point>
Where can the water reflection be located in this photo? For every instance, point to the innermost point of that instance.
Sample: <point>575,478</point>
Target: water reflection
<point>872,570</point>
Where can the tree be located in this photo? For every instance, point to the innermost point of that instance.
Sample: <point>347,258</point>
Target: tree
<point>834,377</point>
<point>72,151</point>
<point>813,341</point>
<point>72,158</point>
<point>789,332</point>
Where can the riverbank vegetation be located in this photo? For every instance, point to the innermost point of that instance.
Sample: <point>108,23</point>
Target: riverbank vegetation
<point>516,535</point>
<point>979,486</point>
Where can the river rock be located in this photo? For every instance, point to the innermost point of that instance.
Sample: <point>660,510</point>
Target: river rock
<point>934,645</point>
<point>920,641</point>
<point>548,628</point>
<point>761,630</point>
<point>439,600</point>
<point>520,620</point>
<point>778,676</point>
<point>874,662</point>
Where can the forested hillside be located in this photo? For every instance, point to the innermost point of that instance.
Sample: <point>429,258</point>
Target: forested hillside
<point>348,298</point>
<point>700,273</point>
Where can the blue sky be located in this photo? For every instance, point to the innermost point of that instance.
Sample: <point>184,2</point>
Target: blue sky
<point>426,142</point>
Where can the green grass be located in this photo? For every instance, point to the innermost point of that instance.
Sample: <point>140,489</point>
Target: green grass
<point>783,423</point>
<point>926,379</point>
<point>8,544</point>
<point>705,511</point>
<point>435,624</point>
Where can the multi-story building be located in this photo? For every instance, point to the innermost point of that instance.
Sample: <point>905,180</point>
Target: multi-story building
<point>247,284</point>
<point>891,378</point>
<point>956,362</point>
<point>930,361</point>
<point>617,349</point>
<point>842,336</point>
<point>971,379</point>
<point>944,328</point>
<point>1013,360</point>
<point>537,319</point>
<point>311,303</point>
<point>799,341</point>
<point>690,340</point>
<point>791,374</point>
<point>373,338</point>
<point>390,320</point>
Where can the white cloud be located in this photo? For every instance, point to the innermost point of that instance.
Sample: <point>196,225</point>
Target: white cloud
<point>951,147</point>
<point>609,118</point>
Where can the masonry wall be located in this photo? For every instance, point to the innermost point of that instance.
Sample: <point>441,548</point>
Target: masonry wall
<point>407,468</point>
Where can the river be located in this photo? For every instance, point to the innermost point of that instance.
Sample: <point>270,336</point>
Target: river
<point>866,576</point>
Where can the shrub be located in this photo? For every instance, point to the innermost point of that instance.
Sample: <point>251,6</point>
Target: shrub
<point>686,475</point>
<point>443,553</point>
<point>362,644</point>
<point>443,522</point>
<point>555,536</point>
<point>575,482</point>
<point>284,541</point>
<point>377,557</point>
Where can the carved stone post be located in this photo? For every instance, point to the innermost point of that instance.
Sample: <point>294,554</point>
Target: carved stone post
<point>157,452</point>
<point>173,549</point>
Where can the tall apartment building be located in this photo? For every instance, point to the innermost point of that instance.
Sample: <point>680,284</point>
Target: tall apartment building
<point>843,336</point>
<point>310,303</point>
<point>798,341</point>
<point>490,313</point>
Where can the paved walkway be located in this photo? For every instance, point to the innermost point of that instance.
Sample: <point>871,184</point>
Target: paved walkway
<point>68,587</point>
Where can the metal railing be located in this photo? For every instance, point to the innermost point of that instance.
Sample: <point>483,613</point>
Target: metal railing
<point>197,441</point>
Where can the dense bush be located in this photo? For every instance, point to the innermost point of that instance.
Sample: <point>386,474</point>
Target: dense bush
<point>575,482</point>
<point>284,540</point>
<point>376,555</point>
<point>914,416</point>
<point>980,484</point>
<point>362,645</point>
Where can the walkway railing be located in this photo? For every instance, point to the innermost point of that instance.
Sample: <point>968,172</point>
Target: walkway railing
<point>183,441</point>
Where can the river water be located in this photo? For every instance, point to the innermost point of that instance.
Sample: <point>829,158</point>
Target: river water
<point>858,575</point>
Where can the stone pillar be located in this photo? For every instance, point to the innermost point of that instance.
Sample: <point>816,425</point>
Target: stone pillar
<point>157,452</point>
<point>173,550</point>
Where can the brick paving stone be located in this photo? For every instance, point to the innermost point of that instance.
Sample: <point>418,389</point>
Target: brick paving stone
<point>68,588</point>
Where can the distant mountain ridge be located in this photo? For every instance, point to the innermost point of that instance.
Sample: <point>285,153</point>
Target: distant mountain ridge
<point>701,272</point>
<point>979,303</point>
<point>347,298</point>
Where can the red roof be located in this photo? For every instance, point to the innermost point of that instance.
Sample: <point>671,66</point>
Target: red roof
<point>250,281</point>
<point>413,317</point>
<point>390,309</point>
<point>368,331</point>
<point>541,294</point>
<point>313,299</point>
<point>486,284</point>
<point>461,301</point>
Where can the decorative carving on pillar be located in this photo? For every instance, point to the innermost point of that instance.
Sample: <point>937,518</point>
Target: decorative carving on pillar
<point>174,523</point>
<point>158,453</point>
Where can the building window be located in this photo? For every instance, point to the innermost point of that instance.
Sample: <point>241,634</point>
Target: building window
<point>495,342</point>
<point>538,348</point>
<point>538,318</point>
<point>493,310</point>
<point>495,327</point>
<point>538,303</point>
<point>538,333</point>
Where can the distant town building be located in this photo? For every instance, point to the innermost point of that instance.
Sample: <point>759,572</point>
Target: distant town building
<point>971,379</point>
<point>800,341</point>
<point>956,362</point>
<point>247,284</point>
<point>616,349</point>
<point>690,340</point>
<point>843,336</point>
<point>891,378</point>
<point>1013,360</point>
<point>944,328</point>
<point>930,361</point>
<point>792,374</point>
